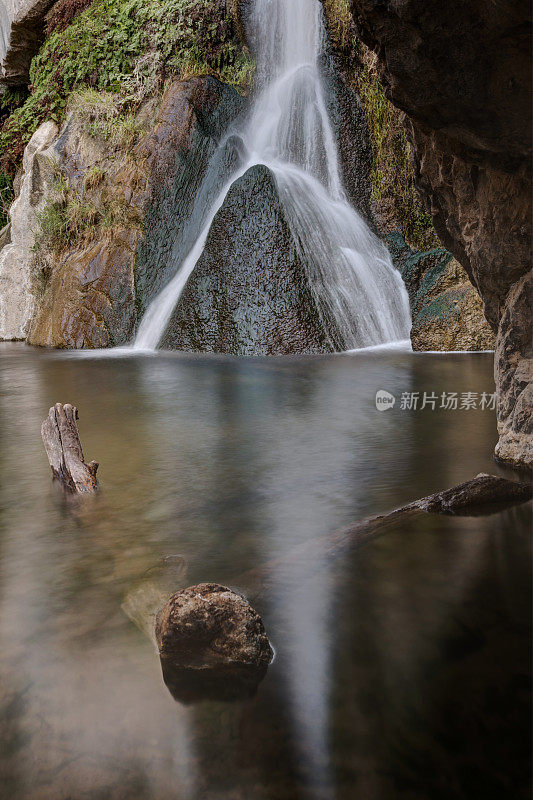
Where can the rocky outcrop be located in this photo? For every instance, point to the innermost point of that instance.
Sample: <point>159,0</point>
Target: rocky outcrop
<point>447,311</point>
<point>21,34</point>
<point>193,119</point>
<point>17,276</point>
<point>87,289</point>
<point>212,644</point>
<point>461,72</point>
<point>95,289</point>
<point>249,293</point>
<point>514,375</point>
<point>90,298</point>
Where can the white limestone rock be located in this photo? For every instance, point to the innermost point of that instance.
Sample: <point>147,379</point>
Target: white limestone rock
<point>16,298</point>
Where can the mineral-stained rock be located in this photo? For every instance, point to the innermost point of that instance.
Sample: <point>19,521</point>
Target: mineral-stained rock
<point>212,644</point>
<point>249,294</point>
<point>461,72</point>
<point>88,296</point>
<point>90,301</point>
<point>16,258</point>
<point>447,311</point>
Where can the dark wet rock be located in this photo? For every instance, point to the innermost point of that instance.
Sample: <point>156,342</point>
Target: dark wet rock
<point>249,294</point>
<point>212,644</point>
<point>193,120</point>
<point>447,311</point>
<point>478,496</point>
<point>461,72</point>
<point>351,132</point>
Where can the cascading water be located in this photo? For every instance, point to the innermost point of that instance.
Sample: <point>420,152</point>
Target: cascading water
<point>360,297</point>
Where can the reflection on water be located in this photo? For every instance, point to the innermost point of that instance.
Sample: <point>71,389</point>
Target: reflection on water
<point>401,671</point>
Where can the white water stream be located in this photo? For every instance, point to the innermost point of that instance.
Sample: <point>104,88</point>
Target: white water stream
<point>359,295</point>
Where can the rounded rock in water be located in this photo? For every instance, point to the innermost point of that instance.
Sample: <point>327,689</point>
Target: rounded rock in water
<point>212,644</point>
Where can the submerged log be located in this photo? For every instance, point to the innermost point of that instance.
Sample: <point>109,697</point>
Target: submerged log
<point>61,441</point>
<point>484,494</point>
<point>480,496</point>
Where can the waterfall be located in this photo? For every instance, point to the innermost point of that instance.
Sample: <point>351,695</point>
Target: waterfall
<point>360,297</point>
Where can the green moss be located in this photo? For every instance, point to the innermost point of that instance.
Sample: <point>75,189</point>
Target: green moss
<point>340,25</point>
<point>125,47</point>
<point>392,176</point>
<point>444,308</point>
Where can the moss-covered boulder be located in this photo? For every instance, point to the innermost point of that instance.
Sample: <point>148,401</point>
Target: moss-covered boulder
<point>249,294</point>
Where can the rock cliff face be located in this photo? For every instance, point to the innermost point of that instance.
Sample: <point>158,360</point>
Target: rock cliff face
<point>461,73</point>
<point>21,34</point>
<point>95,290</point>
<point>446,308</point>
<point>447,311</point>
<point>194,118</point>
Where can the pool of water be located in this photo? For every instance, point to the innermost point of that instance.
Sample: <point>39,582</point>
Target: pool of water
<point>402,668</point>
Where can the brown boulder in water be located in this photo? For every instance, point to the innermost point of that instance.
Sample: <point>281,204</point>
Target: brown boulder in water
<point>212,644</point>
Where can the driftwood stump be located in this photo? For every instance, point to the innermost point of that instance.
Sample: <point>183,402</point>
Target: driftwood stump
<point>63,447</point>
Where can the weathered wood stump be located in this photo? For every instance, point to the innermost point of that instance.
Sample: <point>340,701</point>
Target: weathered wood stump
<point>61,441</point>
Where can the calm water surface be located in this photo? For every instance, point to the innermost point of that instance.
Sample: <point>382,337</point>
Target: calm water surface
<point>402,670</point>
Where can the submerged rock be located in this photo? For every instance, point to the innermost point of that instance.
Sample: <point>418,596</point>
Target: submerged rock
<point>249,293</point>
<point>212,644</point>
